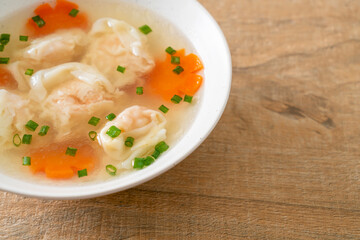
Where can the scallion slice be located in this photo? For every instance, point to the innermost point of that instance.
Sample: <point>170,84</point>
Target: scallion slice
<point>26,161</point>
<point>145,29</point>
<point>129,142</point>
<point>82,173</point>
<point>39,21</point>
<point>17,140</point>
<point>29,71</point>
<point>176,99</point>
<point>113,132</point>
<point>178,70</point>
<point>31,125</point>
<point>26,139</point>
<point>1,48</point>
<point>4,60</point>
<point>71,151</point>
<point>4,38</point>
<point>94,121</point>
<point>188,98</point>
<point>23,38</point>
<point>148,160</point>
<point>139,90</point>
<point>44,130</point>
<point>163,109</point>
<point>111,169</point>
<point>155,154</point>
<point>161,147</point>
<point>73,12</point>
<point>175,60</point>
<point>111,116</point>
<point>138,163</point>
<point>92,135</point>
<point>121,69</point>
<point>170,50</point>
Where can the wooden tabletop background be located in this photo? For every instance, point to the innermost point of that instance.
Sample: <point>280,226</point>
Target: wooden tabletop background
<point>283,162</point>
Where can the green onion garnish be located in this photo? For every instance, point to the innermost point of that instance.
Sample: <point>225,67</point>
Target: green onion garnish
<point>111,116</point>
<point>178,70</point>
<point>170,50</point>
<point>92,135</point>
<point>71,151</point>
<point>26,161</point>
<point>129,142</point>
<point>17,140</point>
<point>121,69</point>
<point>163,109</point>
<point>145,29</point>
<point>161,147</point>
<point>139,90</point>
<point>73,12</point>
<point>44,130</point>
<point>39,21</point>
<point>139,162</point>
<point>82,173</point>
<point>27,139</point>
<point>188,98</point>
<point>31,125</point>
<point>148,160</point>
<point>175,60</point>
<point>4,60</point>
<point>111,169</point>
<point>23,38</point>
<point>1,48</point>
<point>4,38</point>
<point>94,121</point>
<point>113,132</point>
<point>176,99</point>
<point>155,154</point>
<point>29,71</point>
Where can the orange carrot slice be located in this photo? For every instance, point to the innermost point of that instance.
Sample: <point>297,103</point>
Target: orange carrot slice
<point>7,80</point>
<point>56,18</point>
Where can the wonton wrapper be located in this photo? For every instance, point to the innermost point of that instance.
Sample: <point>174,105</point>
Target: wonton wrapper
<point>146,126</point>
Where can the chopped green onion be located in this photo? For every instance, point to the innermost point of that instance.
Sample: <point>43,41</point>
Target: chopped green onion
<point>23,38</point>
<point>113,132</point>
<point>129,142</point>
<point>92,135</point>
<point>74,12</point>
<point>175,60</point>
<point>4,38</point>
<point>94,121</point>
<point>178,70</point>
<point>17,140</point>
<point>139,162</point>
<point>26,161</point>
<point>145,29</point>
<point>4,60</point>
<point>39,21</point>
<point>29,71</point>
<point>44,130</point>
<point>161,147</point>
<point>1,48</point>
<point>139,90</point>
<point>188,98</point>
<point>121,69</point>
<point>111,116</point>
<point>82,173</point>
<point>176,99</point>
<point>163,109</point>
<point>155,154</point>
<point>71,151</point>
<point>27,139</point>
<point>170,50</point>
<point>148,160</point>
<point>111,169</point>
<point>31,125</point>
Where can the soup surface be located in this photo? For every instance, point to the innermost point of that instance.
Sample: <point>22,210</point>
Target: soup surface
<point>92,91</point>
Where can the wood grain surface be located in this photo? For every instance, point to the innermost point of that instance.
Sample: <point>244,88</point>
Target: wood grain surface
<point>283,162</point>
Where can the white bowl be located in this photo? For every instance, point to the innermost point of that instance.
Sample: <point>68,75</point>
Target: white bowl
<point>206,36</point>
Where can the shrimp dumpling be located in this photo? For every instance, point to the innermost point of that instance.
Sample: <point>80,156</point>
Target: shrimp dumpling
<point>146,126</point>
<point>114,43</point>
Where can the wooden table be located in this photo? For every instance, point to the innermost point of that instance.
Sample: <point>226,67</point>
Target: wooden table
<point>284,161</point>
